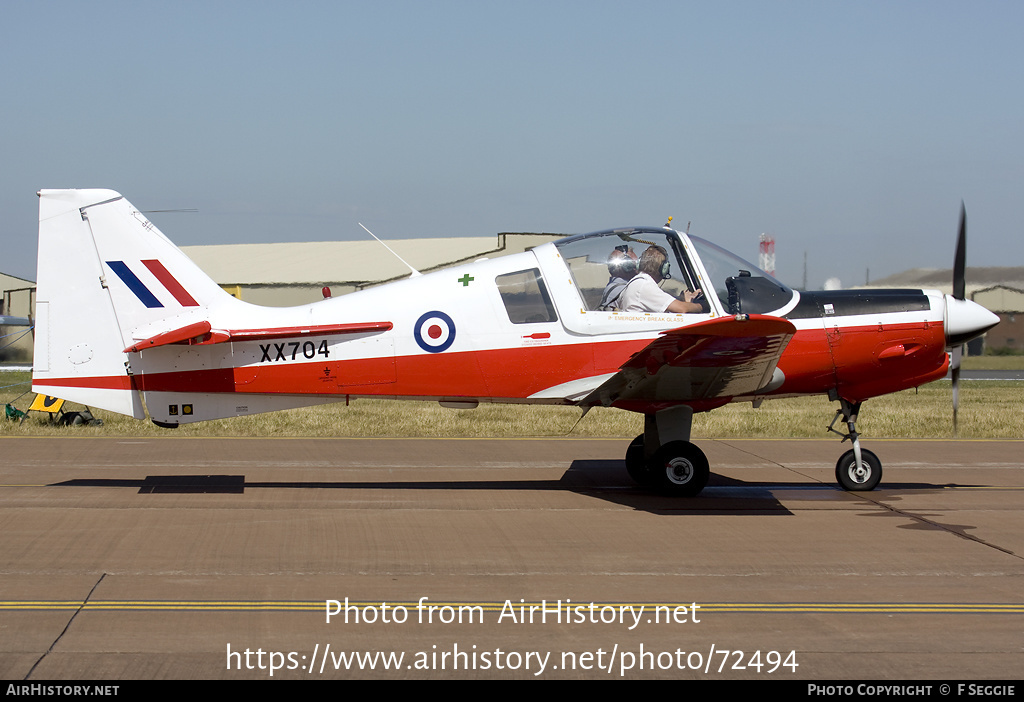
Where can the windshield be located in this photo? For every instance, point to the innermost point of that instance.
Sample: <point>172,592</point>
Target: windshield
<point>740,285</point>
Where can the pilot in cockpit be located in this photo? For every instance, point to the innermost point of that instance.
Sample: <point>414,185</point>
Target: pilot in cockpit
<point>642,294</point>
<point>622,266</point>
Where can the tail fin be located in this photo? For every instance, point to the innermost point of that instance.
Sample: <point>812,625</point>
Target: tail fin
<point>104,273</point>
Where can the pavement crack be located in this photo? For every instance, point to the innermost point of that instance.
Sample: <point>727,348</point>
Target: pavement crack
<point>768,460</point>
<point>903,513</point>
<point>938,525</point>
<point>66,627</point>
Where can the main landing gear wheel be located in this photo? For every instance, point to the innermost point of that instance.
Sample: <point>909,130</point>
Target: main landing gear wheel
<point>859,480</point>
<point>679,468</point>
<point>636,464</point>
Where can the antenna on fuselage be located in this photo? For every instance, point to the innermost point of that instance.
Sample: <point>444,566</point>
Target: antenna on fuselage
<point>414,271</point>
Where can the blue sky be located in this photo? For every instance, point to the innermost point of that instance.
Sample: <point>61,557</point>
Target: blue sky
<point>848,130</point>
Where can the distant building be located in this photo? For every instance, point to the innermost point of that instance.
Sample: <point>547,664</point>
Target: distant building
<point>1008,303</point>
<point>282,275</point>
<point>18,300</point>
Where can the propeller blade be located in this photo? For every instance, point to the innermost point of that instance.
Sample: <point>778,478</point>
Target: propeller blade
<point>960,258</point>
<point>954,364</point>
<point>960,293</point>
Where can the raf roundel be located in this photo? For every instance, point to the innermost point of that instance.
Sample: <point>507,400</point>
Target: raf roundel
<point>434,332</point>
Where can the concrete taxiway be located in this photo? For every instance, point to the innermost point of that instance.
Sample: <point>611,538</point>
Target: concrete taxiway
<point>217,558</point>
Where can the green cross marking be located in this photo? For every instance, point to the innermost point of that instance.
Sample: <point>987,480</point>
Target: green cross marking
<point>465,280</point>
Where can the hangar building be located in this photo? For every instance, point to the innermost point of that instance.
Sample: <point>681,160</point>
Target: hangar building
<point>18,300</point>
<point>281,275</point>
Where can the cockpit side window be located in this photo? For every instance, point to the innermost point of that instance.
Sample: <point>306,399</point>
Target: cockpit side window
<point>601,264</point>
<point>588,264</point>
<point>525,297</point>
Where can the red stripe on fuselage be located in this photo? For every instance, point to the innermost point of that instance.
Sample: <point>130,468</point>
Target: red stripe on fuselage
<point>506,373</point>
<point>517,373</point>
<point>100,382</point>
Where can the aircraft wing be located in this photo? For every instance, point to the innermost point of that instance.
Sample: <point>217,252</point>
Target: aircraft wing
<point>719,358</point>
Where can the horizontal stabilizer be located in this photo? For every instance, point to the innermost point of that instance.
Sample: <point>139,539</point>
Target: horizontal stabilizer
<point>187,334</point>
<point>200,333</point>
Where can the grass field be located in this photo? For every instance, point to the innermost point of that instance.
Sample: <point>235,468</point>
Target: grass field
<point>988,409</point>
<point>993,363</point>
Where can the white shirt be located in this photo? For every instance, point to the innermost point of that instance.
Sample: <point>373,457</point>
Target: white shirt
<point>642,294</point>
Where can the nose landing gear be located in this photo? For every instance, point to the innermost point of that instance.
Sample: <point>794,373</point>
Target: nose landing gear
<point>858,470</point>
<point>662,458</point>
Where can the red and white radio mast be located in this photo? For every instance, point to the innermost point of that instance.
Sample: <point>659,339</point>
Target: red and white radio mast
<point>766,261</point>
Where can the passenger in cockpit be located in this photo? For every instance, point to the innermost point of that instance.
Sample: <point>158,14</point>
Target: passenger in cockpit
<point>642,294</point>
<point>622,267</point>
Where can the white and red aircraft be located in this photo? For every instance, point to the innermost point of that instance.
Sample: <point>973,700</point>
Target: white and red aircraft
<point>126,322</point>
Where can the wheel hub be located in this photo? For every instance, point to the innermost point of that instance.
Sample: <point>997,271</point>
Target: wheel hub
<point>859,475</point>
<point>679,471</point>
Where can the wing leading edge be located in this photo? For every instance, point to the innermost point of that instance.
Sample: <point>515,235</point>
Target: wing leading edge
<point>709,361</point>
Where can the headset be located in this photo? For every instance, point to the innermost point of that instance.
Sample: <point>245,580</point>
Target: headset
<point>666,268</point>
<point>624,266</point>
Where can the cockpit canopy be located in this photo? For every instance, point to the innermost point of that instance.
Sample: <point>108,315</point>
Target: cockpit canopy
<point>596,260</point>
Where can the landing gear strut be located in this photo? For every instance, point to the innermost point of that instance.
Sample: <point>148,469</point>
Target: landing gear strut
<point>663,457</point>
<point>858,469</point>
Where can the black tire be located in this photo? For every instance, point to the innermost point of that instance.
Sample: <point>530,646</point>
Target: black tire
<point>636,463</point>
<point>849,479</point>
<point>680,469</point>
